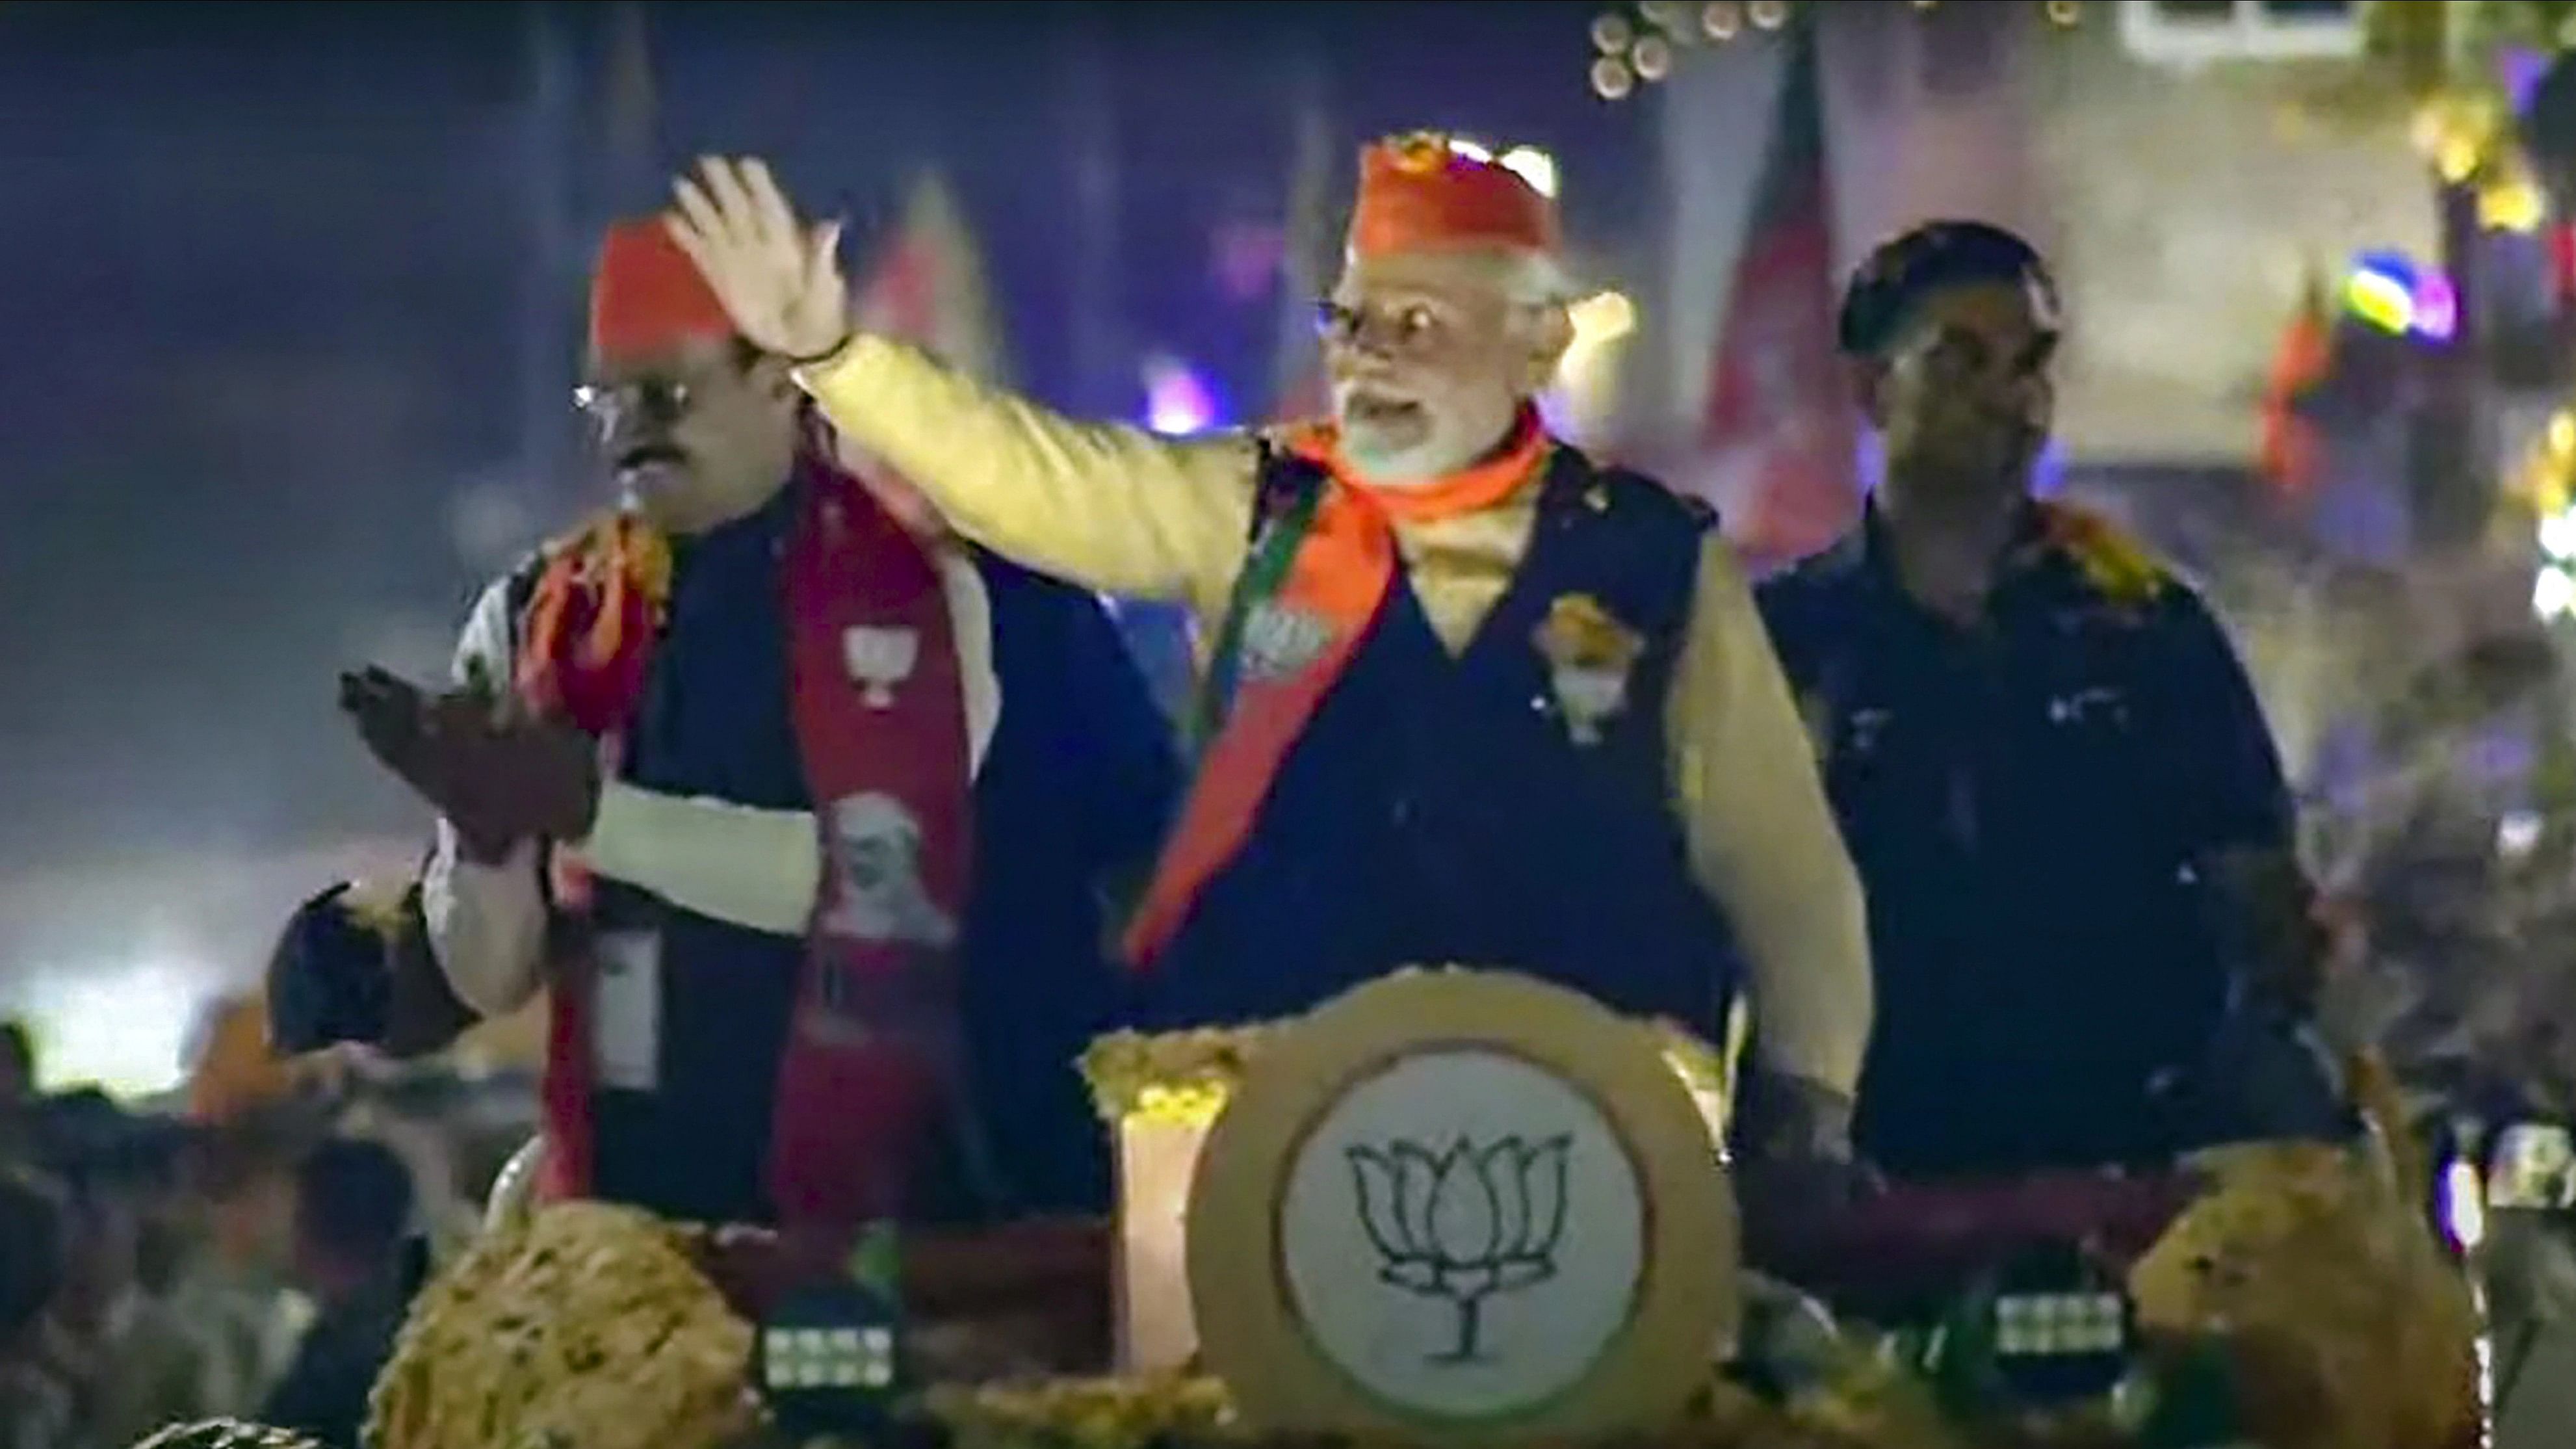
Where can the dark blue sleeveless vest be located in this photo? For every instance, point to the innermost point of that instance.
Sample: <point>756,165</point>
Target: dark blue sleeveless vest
<point>713,723</point>
<point>1078,743</point>
<point>1438,809</point>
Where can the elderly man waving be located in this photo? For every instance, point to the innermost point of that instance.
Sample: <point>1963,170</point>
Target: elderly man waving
<point>1472,696</point>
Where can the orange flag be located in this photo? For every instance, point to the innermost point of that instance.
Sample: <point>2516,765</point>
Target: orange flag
<point>2290,456</point>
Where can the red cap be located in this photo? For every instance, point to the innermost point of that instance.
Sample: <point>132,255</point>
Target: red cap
<point>1420,193</point>
<point>647,297</point>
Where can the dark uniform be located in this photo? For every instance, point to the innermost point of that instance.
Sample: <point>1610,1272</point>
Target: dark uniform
<point>2033,804</point>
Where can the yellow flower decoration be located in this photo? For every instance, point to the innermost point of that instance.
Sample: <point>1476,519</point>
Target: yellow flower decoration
<point>1188,1076</point>
<point>1183,1076</point>
<point>1580,633</point>
<point>2346,1321</point>
<point>1420,152</point>
<point>2118,567</point>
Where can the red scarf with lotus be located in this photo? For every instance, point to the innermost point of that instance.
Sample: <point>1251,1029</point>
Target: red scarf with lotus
<point>879,710</point>
<point>1334,567</point>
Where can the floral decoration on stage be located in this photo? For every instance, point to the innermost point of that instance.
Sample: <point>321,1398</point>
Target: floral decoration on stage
<point>1186,1076</point>
<point>2264,1313</point>
<point>586,1327</point>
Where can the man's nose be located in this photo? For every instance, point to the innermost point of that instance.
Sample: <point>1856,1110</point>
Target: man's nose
<point>2024,395</point>
<point>1359,360</point>
<point>2035,397</point>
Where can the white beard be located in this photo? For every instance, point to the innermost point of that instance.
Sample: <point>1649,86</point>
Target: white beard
<point>1428,461</point>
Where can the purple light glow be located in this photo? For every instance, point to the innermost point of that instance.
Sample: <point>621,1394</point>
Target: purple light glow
<point>1178,401</point>
<point>2437,307</point>
<point>2519,69</point>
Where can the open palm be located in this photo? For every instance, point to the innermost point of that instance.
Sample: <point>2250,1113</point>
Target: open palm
<point>778,277</point>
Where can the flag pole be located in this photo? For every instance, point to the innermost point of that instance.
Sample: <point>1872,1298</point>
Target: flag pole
<point>545,136</point>
<point>1305,263</point>
<point>1092,123</point>
<point>635,161</point>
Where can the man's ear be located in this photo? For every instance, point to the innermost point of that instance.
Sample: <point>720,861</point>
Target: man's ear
<point>1869,389</point>
<point>1551,332</point>
<point>774,379</point>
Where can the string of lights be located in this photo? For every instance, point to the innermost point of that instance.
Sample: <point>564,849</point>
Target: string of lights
<point>2463,66</point>
<point>2470,67</point>
<point>1639,44</point>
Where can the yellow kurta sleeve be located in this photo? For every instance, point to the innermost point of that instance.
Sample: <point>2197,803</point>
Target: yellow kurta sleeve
<point>1109,506</point>
<point>1762,837</point>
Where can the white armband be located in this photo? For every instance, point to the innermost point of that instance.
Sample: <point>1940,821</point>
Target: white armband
<point>761,869</point>
<point>486,924</point>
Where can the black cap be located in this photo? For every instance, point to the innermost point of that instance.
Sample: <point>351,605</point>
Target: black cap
<point>1883,292</point>
<point>327,979</point>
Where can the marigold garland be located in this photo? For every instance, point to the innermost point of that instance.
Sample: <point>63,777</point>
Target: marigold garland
<point>1186,1076</point>
<point>2117,566</point>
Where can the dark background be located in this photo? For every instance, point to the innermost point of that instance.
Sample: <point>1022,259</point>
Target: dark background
<point>293,292</point>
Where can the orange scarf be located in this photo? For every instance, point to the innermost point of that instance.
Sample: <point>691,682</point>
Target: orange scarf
<point>1343,565</point>
<point>592,621</point>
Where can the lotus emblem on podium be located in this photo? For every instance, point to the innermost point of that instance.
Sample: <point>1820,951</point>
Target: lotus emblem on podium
<point>1465,1224</point>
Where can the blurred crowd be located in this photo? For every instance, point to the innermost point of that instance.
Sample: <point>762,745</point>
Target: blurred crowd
<point>159,1269</point>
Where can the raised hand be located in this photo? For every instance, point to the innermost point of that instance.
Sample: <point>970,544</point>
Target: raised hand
<point>779,278</point>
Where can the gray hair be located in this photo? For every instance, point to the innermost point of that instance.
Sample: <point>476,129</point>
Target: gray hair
<point>1539,279</point>
<point>1525,278</point>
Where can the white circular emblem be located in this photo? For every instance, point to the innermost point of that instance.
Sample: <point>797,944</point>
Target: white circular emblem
<point>1458,1208</point>
<point>1462,1235</point>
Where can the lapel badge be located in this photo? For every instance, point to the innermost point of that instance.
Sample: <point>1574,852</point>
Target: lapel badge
<point>1589,655</point>
<point>1866,725</point>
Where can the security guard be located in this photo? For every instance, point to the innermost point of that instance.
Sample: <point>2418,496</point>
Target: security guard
<point>2091,938</point>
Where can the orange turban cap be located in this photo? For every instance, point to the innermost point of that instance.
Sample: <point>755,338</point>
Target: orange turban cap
<point>647,297</point>
<point>1419,193</point>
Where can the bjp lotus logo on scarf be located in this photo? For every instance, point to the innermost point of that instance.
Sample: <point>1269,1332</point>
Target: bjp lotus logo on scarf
<point>1590,656</point>
<point>1280,640</point>
<point>879,659</point>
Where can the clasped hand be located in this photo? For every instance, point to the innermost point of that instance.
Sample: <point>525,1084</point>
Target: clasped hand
<point>498,774</point>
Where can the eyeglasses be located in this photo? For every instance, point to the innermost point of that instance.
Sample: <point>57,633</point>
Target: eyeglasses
<point>1958,355</point>
<point>661,400</point>
<point>1410,329</point>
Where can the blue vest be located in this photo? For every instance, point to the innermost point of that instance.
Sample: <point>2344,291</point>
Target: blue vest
<point>1440,809</point>
<point>1074,789</point>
